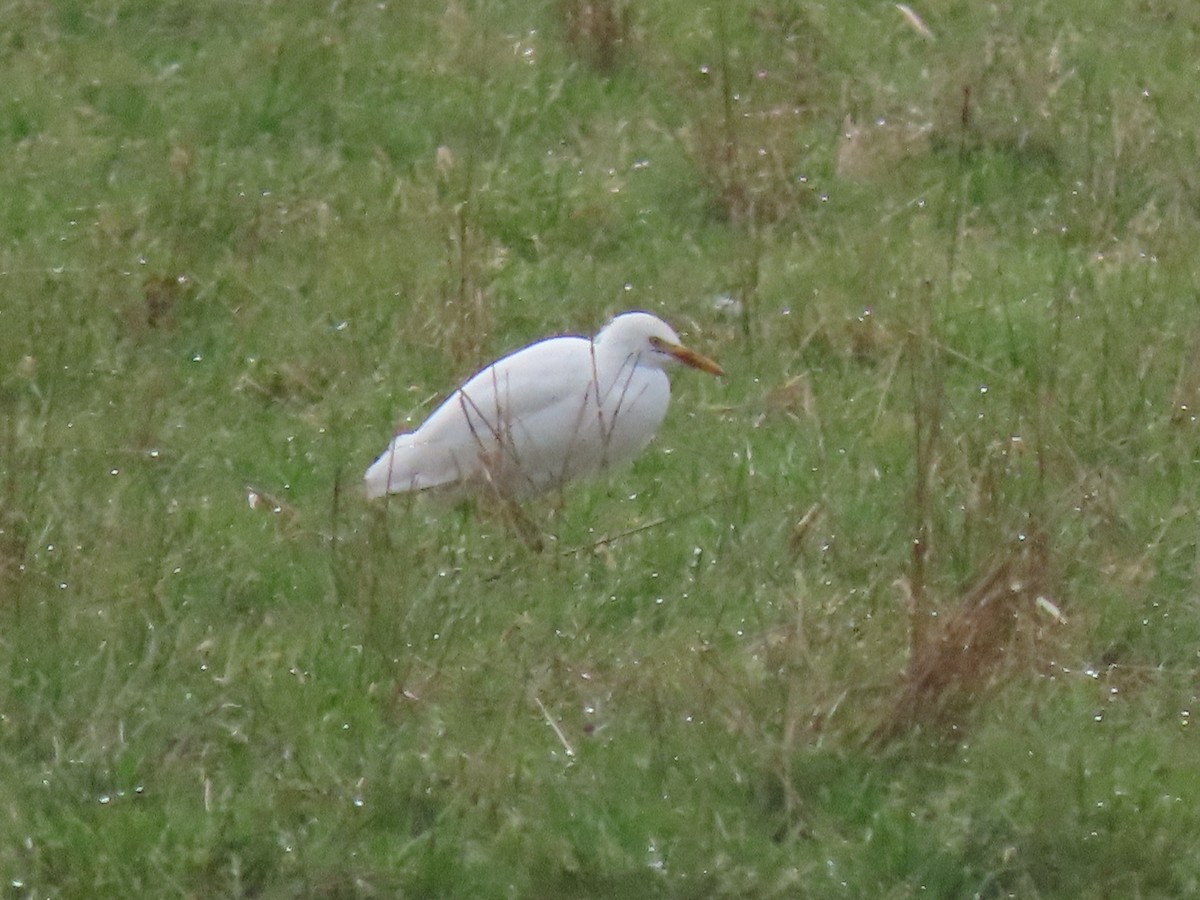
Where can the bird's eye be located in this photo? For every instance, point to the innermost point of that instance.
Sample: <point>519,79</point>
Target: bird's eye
<point>656,342</point>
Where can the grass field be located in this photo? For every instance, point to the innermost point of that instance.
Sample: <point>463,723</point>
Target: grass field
<point>909,605</point>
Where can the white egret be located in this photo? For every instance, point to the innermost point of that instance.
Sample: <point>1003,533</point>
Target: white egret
<point>559,409</point>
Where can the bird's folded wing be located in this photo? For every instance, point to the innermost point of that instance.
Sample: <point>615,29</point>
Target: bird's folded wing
<point>496,401</point>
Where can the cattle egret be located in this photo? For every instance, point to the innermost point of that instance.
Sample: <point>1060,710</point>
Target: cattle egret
<point>560,409</point>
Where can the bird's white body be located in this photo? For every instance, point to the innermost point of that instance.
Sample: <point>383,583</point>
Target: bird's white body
<point>560,409</point>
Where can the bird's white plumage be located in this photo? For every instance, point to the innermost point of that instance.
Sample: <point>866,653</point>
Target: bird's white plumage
<point>559,409</point>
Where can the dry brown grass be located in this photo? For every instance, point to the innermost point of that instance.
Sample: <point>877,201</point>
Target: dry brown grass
<point>596,30</point>
<point>156,306</point>
<point>456,310</point>
<point>1000,628</point>
<point>755,129</point>
<point>752,162</point>
<point>1015,86</point>
<point>871,151</point>
<point>467,294</point>
<point>963,648</point>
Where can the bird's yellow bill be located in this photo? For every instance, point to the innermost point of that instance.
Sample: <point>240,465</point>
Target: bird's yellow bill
<point>692,358</point>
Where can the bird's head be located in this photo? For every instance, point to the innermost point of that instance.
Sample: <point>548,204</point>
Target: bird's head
<point>652,342</point>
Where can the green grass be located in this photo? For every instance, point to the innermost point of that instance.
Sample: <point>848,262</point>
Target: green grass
<point>240,242</point>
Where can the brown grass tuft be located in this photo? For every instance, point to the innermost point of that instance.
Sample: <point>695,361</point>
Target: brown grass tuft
<point>752,162</point>
<point>871,152</point>
<point>998,630</point>
<point>160,295</point>
<point>596,30</point>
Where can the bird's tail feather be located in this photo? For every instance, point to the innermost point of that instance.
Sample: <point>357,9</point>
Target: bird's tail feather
<point>386,473</point>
